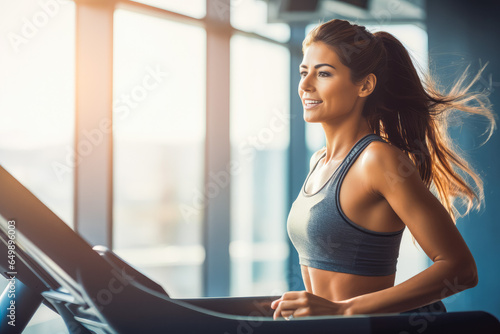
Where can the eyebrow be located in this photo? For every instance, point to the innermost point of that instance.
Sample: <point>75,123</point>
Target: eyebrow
<point>319,65</point>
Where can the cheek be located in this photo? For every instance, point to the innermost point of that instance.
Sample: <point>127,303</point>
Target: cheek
<point>342,94</point>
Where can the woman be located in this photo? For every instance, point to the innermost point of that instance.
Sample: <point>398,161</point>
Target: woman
<point>386,149</point>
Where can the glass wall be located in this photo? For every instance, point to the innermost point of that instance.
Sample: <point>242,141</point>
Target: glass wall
<point>159,135</point>
<point>251,16</point>
<point>37,66</point>
<point>37,76</point>
<point>259,142</point>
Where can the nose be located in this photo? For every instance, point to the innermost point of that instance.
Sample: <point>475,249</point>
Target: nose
<point>305,84</point>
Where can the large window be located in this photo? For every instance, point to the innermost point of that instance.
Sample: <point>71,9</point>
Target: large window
<point>37,76</point>
<point>159,132</point>
<point>251,16</point>
<point>259,143</point>
<point>37,66</point>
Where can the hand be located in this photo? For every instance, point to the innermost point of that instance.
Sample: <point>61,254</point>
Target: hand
<point>303,304</point>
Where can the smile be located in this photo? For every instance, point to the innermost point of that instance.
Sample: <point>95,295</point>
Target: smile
<point>310,104</point>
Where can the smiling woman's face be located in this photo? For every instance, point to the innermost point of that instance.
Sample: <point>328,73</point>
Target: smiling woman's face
<point>326,80</point>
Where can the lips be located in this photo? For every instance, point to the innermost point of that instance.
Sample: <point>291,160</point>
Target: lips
<point>310,103</point>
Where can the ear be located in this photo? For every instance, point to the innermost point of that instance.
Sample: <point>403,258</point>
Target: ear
<point>368,85</point>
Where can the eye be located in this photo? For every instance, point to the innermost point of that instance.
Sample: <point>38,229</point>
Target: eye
<point>321,74</point>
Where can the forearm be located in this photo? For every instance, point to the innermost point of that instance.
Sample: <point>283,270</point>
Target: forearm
<point>438,281</point>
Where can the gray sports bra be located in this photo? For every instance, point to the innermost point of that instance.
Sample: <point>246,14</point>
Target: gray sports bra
<point>327,239</point>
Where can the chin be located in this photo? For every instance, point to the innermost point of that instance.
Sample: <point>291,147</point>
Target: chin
<point>310,118</point>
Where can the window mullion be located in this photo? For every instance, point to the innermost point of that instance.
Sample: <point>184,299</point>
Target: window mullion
<point>93,122</point>
<point>217,195</point>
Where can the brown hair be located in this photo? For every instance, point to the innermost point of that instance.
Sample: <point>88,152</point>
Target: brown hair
<point>411,113</point>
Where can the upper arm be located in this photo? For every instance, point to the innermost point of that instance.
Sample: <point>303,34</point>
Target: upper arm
<point>394,176</point>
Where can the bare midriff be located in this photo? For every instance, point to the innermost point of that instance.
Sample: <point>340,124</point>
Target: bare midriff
<point>336,286</point>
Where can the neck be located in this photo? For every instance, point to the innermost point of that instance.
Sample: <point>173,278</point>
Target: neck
<point>341,136</point>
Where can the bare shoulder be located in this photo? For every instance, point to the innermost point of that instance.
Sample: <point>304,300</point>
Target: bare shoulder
<point>315,157</point>
<point>383,153</point>
<point>382,163</point>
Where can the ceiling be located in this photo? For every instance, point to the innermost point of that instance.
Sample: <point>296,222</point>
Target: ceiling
<point>361,11</point>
